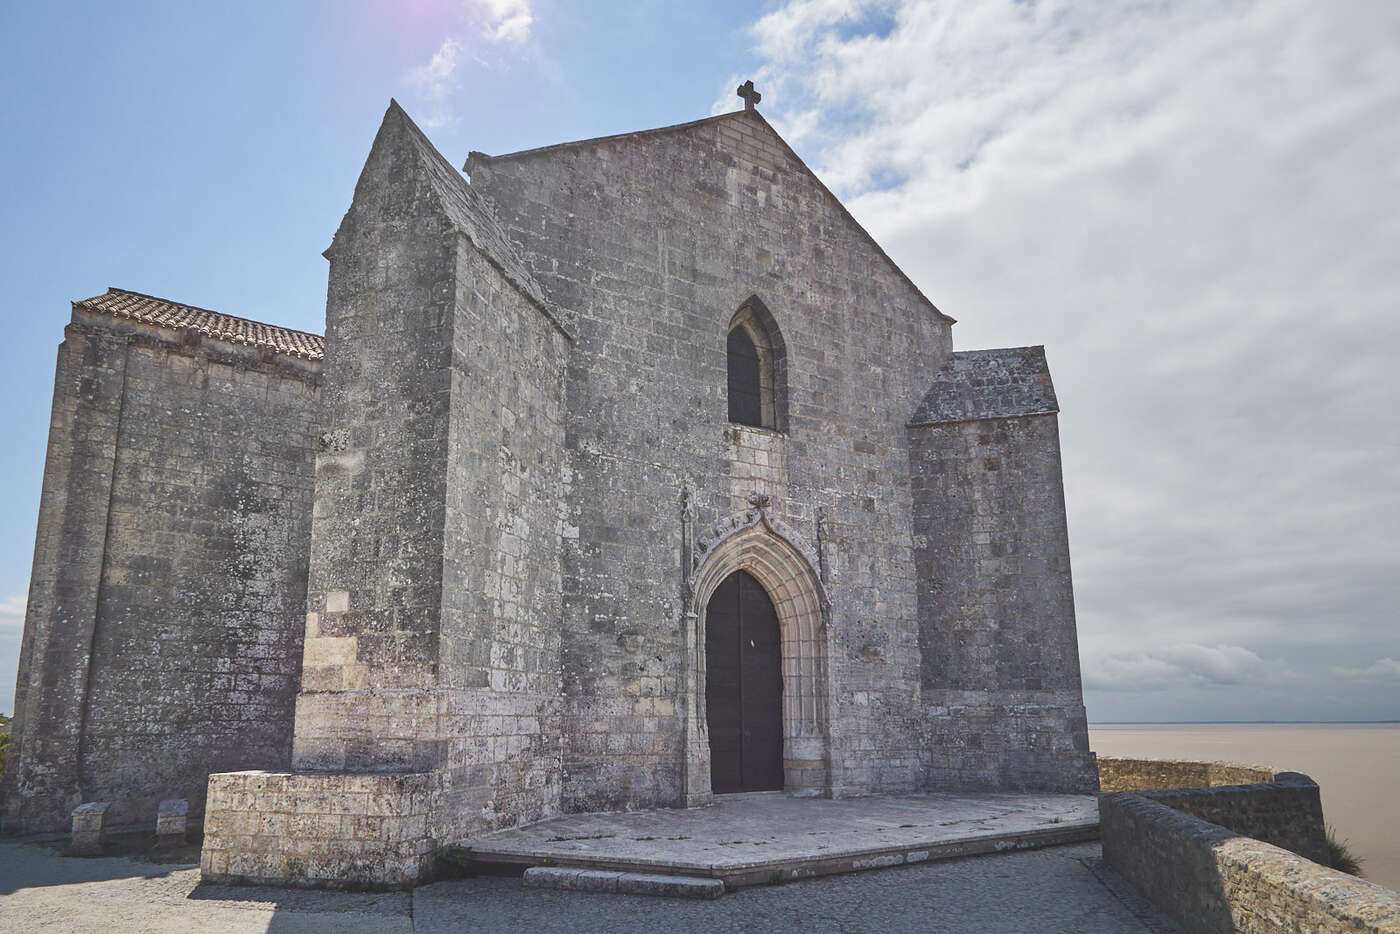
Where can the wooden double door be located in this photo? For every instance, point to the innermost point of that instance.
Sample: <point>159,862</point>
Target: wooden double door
<point>743,688</point>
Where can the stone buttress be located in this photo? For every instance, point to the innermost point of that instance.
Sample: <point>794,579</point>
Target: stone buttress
<point>429,703</point>
<point>999,654</point>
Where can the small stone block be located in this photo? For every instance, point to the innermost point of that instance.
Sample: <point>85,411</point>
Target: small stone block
<point>644,883</point>
<point>623,883</point>
<point>172,818</point>
<point>88,821</point>
<point>571,880</point>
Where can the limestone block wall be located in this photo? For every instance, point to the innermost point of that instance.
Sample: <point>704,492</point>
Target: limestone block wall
<point>1002,702</point>
<point>499,658</point>
<point>163,634</point>
<point>653,241</point>
<point>1210,879</point>
<point>327,830</point>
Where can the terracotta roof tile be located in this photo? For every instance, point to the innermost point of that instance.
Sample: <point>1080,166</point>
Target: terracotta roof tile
<point>164,313</point>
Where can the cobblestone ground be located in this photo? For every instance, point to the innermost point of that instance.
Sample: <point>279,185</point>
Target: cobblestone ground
<point>1052,890</point>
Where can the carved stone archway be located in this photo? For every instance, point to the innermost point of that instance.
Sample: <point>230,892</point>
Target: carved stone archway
<point>777,558</point>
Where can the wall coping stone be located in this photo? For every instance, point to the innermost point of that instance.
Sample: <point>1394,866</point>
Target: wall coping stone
<point>1209,878</point>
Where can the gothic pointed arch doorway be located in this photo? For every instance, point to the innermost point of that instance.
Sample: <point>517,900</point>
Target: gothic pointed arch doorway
<point>743,687</point>
<point>783,566</point>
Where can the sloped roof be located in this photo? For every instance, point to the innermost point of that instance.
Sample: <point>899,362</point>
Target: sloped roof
<point>981,384</point>
<point>469,213</point>
<point>680,127</point>
<point>175,316</point>
<point>610,138</point>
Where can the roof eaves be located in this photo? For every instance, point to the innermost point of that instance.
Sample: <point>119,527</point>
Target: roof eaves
<point>147,309</point>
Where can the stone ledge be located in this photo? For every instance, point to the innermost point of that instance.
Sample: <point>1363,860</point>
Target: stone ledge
<point>1122,774</point>
<point>622,883</point>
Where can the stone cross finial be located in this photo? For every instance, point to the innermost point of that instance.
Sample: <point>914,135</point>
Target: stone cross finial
<point>750,96</point>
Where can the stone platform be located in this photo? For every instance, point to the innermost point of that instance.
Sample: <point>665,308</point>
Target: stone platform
<point>759,839</point>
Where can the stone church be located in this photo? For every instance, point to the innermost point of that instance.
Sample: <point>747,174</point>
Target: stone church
<point>629,472</point>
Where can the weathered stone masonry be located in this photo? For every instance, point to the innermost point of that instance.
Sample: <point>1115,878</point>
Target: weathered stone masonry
<point>656,240</point>
<point>999,658</point>
<point>507,505</point>
<point>162,639</point>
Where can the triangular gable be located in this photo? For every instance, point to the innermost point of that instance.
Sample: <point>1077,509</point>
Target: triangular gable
<point>463,207</point>
<point>750,115</point>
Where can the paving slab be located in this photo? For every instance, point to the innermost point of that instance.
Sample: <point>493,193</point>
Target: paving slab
<point>1034,890</point>
<point>759,839</point>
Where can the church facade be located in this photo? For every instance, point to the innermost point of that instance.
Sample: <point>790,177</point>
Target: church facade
<point>628,473</point>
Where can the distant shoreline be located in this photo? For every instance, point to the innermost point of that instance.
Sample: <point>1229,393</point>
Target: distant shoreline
<point>1239,722</point>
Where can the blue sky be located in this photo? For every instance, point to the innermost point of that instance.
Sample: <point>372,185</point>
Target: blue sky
<point>1192,203</point>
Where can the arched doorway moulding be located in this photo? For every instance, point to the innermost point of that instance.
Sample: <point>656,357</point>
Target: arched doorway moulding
<point>778,559</point>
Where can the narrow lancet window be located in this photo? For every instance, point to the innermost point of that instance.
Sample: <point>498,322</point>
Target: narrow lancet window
<point>757,368</point>
<point>745,393</point>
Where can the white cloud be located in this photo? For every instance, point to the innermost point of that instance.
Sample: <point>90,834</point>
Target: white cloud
<point>1180,666</point>
<point>12,613</point>
<point>434,80</point>
<point>1383,669</point>
<point>507,20</point>
<point>11,629</point>
<point>1194,205</point>
<point>492,22</point>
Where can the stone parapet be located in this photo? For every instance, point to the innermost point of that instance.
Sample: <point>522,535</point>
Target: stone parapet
<point>1210,879</point>
<point>1117,774</point>
<point>318,830</point>
<point>1286,813</point>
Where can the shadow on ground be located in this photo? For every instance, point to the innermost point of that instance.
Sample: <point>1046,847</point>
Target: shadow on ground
<point>39,864</point>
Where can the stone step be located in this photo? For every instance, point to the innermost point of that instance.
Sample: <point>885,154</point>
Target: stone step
<point>622,883</point>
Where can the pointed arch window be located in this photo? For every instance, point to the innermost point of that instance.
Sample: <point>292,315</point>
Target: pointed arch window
<point>745,390</point>
<point>757,368</point>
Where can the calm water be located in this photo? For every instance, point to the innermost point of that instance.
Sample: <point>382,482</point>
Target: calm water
<point>1357,766</point>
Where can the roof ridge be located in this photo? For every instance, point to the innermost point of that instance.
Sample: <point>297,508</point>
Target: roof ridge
<point>539,150</point>
<point>1002,351</point>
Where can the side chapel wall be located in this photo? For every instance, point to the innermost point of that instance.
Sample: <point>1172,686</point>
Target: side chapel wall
<point>163,633</point>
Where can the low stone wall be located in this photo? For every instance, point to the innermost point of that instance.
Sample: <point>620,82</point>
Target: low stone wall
<point>1210,879</point>
<point>318,830</point>
<point>1144,774</point>
<point>1286,812</point>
